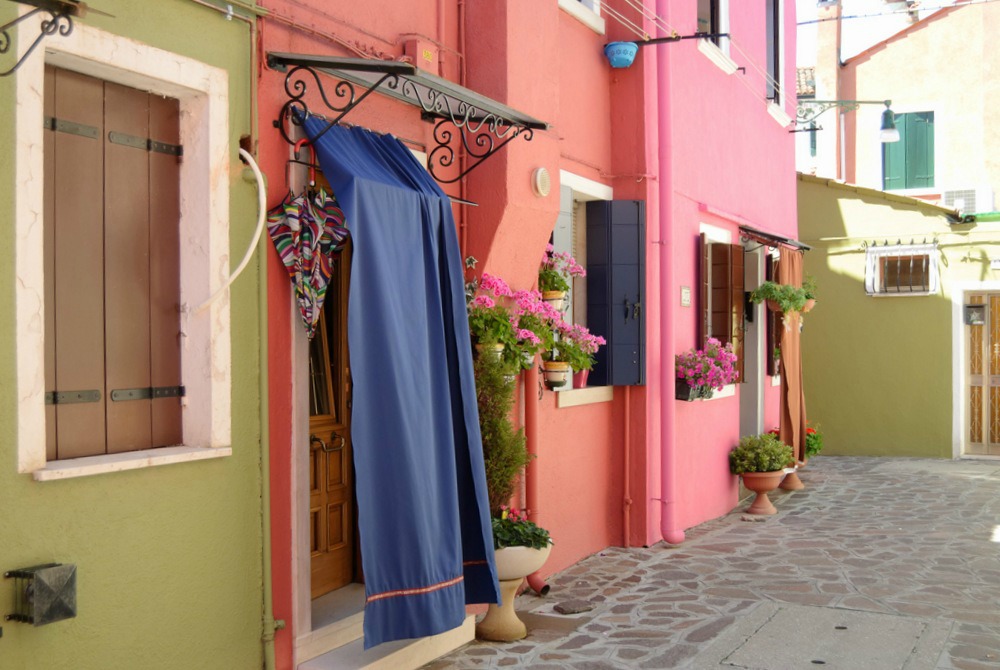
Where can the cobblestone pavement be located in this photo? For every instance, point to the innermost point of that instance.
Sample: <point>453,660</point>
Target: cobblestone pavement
<point>880,544</point>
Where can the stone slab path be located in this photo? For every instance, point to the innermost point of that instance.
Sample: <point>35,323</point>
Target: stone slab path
<point>879,563</point>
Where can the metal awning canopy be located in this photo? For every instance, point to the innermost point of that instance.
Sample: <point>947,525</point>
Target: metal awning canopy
<point>484,125</point>
<point>748,232</point>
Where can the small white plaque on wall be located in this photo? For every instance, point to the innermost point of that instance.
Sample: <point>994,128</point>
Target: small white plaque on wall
<point>995,264</point>
<point>685,296</point>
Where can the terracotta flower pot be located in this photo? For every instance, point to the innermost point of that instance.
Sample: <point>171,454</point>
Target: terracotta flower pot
<point>762,483</point>
<point>773,305</point>
<point>810,303</point>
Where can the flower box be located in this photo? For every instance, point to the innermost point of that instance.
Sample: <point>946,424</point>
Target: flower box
<point>684,392</point>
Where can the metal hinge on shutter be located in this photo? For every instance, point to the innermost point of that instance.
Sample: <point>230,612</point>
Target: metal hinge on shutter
<point>71,397</point>
<point>149,393</point>
<point>71,127</point>
<point>145,143</point>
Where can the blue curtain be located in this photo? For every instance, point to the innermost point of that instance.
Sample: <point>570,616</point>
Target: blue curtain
<point>423,516</point>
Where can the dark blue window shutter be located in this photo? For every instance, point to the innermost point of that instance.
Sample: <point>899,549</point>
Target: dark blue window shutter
<point>616,289</point>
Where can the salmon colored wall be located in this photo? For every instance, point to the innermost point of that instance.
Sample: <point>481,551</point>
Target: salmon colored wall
<point>563,80</point>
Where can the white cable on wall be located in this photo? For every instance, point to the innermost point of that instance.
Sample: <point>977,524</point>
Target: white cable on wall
<point>261,216</point>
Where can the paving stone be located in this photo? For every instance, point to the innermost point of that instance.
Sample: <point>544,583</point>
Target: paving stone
<point>856,539</point>
<point>574,606</point>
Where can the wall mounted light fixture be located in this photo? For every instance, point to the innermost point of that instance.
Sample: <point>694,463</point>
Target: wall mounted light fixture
<point>808,110</point>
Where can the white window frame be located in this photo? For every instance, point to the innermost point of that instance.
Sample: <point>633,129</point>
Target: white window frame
<point>718,54</point>
<point>587,12</point>
<point>580,190</point>
<point>874,255</point>
<point>203,94</point>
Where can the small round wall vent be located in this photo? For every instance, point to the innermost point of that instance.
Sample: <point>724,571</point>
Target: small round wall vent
<point>541,182</point>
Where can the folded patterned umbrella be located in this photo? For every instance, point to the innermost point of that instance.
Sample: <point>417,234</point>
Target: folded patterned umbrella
<point>307,230</point>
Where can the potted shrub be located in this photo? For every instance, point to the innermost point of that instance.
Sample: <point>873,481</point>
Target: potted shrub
<point>702,372</point>
<point>814,441</point>
<point>521,546</point>
<point>554,275</point>
<point>761,461</point>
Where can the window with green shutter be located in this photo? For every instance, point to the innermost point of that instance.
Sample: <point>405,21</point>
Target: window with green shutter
<point>909,163</point>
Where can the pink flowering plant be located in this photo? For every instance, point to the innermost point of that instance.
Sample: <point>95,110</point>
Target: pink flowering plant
<point>490,320</point>
<point>576,345</point>
<point>709,369</point>
<point>512,529</point>
<point>556,270</point>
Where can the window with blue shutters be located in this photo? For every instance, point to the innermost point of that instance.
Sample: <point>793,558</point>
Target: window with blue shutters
<point>909,163</point>
<point>616,286</point>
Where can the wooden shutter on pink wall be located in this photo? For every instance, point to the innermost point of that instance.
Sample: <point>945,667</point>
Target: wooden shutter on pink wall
<point>722,286</point>
<point>111,267</point>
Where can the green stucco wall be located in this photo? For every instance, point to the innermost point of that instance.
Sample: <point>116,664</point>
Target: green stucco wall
<point>878,371</point>
<point>168,558</point>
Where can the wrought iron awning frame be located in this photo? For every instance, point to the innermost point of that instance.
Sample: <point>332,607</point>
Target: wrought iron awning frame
<point>484,126</point>
<point>61,22</point>
<point>749,233</point>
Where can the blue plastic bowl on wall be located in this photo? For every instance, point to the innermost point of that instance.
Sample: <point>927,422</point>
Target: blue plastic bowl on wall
<point>620,54</point>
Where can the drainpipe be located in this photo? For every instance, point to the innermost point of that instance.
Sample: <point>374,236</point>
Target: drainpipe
<point>669,526</point>
<point>627,486</point>
<point>535,580</point>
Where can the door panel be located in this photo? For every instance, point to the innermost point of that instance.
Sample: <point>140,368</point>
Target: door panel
<point>983,371</point>
<point>331,495</point>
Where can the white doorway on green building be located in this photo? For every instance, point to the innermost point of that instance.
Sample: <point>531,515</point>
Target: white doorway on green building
<point>981,315</point>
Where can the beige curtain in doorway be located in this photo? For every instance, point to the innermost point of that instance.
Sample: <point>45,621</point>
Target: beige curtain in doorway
<point>792,428</point>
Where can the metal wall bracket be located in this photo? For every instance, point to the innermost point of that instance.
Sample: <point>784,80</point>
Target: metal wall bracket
<point>483,125</point>
<point>61,22</point>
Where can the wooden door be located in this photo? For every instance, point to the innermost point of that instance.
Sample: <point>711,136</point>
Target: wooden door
<point>331,481</point>
<point>983,373</point>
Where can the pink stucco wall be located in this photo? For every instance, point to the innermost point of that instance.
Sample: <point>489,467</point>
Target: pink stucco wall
<point>729,156</point>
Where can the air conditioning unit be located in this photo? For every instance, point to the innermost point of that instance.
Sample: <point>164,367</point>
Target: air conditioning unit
<point>969,200</point>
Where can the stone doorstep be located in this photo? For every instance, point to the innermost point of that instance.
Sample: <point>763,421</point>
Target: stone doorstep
<point>399,655</point>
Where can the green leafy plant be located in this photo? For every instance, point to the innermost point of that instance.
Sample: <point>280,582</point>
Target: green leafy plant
<point>759,453</point>
<point>789,298</point>
<point>512,529</point>
<point>504,451</point>
<point>809,286</point>
<point>556,269</point>
<point>814,441</point>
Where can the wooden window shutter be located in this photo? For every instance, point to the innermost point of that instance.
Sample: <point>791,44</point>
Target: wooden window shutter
<point>112,259</point>
<point>919,150</point>
<point>722,299</point>
<point>616,286</point>
<point>894,158</point>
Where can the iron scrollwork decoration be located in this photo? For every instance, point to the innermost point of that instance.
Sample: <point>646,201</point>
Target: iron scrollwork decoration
<point>481,132</point>
<point>296,109</point>
<point>61,22</point>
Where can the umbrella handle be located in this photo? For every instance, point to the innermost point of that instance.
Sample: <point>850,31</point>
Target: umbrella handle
<point>312,158</point>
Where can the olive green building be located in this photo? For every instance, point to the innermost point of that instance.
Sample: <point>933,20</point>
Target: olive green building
<point>900,350</point>
<point>130,380</point>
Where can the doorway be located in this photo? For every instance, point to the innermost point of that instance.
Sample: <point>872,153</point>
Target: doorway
<point>752,388</point>
<point>982,368</point>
